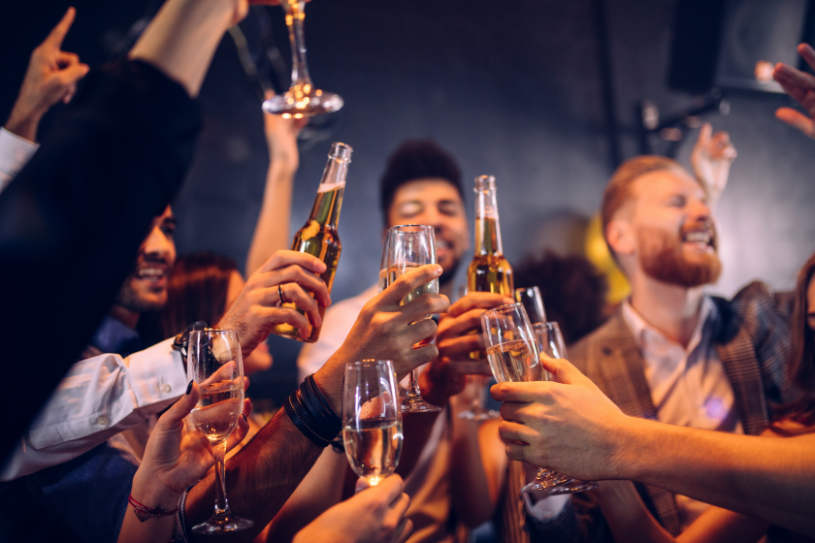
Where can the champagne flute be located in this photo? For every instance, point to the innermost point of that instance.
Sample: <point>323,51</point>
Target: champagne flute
<point>409,246</point>
<point>532,301</point>
<point>371,420</point>
<point>301,99</point>
<point>214,362</point>
<point>551,343</point>
<point>513,354</point>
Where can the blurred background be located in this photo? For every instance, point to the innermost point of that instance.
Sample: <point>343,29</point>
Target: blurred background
<point>548,96</point>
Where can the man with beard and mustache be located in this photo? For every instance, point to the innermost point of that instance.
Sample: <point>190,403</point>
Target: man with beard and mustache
<point>670,352</point>
<point>444,472</point>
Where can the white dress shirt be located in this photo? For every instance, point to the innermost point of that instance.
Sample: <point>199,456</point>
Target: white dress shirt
<point>15,152</point>
<point>337,322</point>
<point>99,397</point>
<point>689,386</point>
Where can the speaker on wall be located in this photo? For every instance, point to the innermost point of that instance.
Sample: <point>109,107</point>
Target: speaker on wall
<point>735,43</point>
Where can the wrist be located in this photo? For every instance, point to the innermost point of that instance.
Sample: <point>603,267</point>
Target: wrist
<point>152,493</point>
<point>24,124</point>
<point>629,448</point>
<point>330,384</point>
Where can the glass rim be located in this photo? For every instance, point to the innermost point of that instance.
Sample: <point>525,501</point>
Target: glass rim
<point>396,227</point>
<point>503,308</point>
<point>368,362</point>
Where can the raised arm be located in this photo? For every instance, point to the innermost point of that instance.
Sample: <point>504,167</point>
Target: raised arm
<point>272,229</point>
<point>266,471</point>
<point>51,77</point>
<point>711,159</point>
<point>801,87</point>
<point>571,426</point>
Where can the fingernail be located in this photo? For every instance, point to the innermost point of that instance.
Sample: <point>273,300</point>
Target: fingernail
<point>438,270</point>
<point>189,387</point>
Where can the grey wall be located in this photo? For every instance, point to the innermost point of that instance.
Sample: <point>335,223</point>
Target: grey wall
<point>516,93</point>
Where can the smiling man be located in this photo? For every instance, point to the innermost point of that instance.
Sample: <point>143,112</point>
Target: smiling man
<point>671,352</point>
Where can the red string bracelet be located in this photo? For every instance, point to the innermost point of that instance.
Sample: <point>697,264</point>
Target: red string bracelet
<point>144,513</point>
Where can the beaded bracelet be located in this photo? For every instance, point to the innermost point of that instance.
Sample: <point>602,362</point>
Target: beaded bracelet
<point>145,513</point>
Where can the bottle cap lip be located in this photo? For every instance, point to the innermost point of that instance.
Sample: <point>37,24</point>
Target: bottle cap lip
<point>341,151</point>
<point>484,183</point>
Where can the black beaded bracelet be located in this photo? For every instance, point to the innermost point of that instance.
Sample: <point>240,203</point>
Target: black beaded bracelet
<point>311,413</point>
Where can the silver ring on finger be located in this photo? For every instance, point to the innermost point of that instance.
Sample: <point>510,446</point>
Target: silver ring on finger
<point>281,298</point>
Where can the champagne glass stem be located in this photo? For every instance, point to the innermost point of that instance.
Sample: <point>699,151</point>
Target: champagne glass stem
<point>295,17</point>
<point>415,393</point>
<point>221,503</point>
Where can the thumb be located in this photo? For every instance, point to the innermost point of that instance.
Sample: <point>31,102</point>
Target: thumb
<point>73,73</point>
<point>176,413</point>
<point>704,133</point>
<point>562,370</point>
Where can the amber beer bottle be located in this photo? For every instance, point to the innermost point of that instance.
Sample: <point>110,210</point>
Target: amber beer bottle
<point>489,271</point>
<point>319,235</point>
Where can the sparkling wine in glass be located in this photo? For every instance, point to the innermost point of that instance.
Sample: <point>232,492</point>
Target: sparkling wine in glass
<point>410,246</point>
<point>551,343</point>
<point>214,362</point>
<point>301,99</point>
<point>371,419</point>
<point>513,354</point>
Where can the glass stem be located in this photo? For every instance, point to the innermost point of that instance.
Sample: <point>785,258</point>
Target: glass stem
<point>415,392</point>
<point>295,17</point>
<point>221,503</point>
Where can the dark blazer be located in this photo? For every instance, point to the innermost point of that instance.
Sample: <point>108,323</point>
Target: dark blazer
<point>753,344</point>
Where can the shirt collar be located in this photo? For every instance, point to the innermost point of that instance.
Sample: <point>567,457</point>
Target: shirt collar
<point>644,333</point>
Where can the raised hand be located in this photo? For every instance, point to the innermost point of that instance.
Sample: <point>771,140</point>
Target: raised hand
<point>258,308</point>
<point>51,77</point>
<point>374,515</point>
<point>175,458</point>
<point>711,159</point>
<point>281,138</point>
<point>568,425</point>
<point>801,87</point>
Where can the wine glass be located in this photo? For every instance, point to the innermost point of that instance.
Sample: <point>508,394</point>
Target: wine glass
<point>513,354</point>
<point>214,362</point>
<point>409,246</point>
<point>301,99</point>
<point>532,301</point>
<point>551,343</point>
<point>371,420</point>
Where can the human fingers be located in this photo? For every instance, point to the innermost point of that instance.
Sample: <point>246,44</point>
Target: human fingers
<point>460,347</point>
<point>241,428</point>
<point>472,300</point>
<point>562,370</point>
<point>70,75</point>
<point>515,412</point>
<point>807,53</point>
<point>417,357</point>
<point>796,119</point>
<point>403,531</point>
<point>304,278</point>
<point>174,416</point>
<point>388,490</point>
<point>294,293</point>
<point>65,59</point>
<point>722,146</point>
<point>520,392</point>
<point>794,81</point>
<point>513,433</point>
<point>409,281</point>
<point>288,315</point>
<point>453,326</point>
<point>69,94</point>
<point>423,306</point>
<point>283,258</point>
<point>57,34</point>
<point>704,134</point>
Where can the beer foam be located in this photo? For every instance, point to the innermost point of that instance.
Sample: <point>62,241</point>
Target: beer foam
<point>333,186</point>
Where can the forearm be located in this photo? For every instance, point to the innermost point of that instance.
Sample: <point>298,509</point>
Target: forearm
<point>261,477</point>
<point>627,516</point>
<point>474,485</point>
<point>768,477</point>
<point>182,39</point>
<point>320,489</point>
<point>151,494</point>
<point>272,229</point>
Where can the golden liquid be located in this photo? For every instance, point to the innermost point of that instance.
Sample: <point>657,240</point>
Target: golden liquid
<point>318,238</point>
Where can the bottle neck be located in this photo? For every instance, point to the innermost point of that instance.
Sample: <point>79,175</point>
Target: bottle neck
<point>487,226</point>
<point>328,202</point>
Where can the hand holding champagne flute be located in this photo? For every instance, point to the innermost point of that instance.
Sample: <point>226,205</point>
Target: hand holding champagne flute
<point>215,363</point>
<point>371,419</point>
<point>409,246</point>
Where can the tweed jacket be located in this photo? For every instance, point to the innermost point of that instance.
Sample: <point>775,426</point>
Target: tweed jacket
<point>752,341</point>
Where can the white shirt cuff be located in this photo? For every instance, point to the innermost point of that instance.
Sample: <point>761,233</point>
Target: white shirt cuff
<point>15,152</point>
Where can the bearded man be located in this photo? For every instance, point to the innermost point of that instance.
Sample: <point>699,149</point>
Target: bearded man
<point>671,352</point>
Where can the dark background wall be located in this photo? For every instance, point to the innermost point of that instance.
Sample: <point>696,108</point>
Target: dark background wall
<point>516,92</point>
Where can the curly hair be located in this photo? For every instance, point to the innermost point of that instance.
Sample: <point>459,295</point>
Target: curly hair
<point>573,290</point>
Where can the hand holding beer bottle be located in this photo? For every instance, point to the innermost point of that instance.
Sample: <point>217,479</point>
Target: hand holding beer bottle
<point>318,237</point>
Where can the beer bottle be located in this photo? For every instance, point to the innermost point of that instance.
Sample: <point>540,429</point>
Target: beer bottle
<point>319,235</point>
<point>489,271</point>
